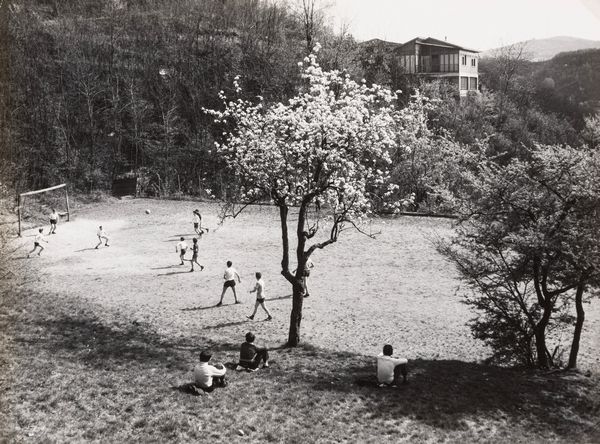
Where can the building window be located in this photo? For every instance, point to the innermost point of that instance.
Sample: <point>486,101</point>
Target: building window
<point>464,83</point>
<point>464,60</point>
<point>473,83</point>
<point>473,62</point>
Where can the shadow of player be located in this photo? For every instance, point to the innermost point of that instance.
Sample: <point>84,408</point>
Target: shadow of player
<point>198,308</point>
<point>278,298</point>
<point>174,272</point>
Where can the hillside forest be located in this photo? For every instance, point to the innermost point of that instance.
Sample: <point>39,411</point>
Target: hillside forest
<point>98,90</point>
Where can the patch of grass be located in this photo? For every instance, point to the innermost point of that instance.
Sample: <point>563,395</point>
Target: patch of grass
<point>96,377</point>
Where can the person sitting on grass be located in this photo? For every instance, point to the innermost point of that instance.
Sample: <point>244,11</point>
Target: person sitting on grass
<point>251,355</point>
<point>389,368</point>
<point>208,377</point>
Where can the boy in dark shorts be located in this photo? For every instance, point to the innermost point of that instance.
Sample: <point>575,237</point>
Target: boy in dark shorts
<point>195,254</point>
<point>306,273</point>
<point>37,242</point>
<point>102,235</point>
<point>229,276</point>
<point>53,221</point>
<point>197,222</point>
<point>182,248</point>
<point>259,288</point>
<point>251,356</point>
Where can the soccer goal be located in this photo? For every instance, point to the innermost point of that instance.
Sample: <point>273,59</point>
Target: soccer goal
<point>21,201</point>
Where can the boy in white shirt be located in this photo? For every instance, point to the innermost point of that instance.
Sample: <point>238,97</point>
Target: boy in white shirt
<point>53,221</point>
<point>389,368</point>
<point>102,235</point>
<point>182,248</point>
<point>229,276</point>
<point>197,222</point>
<point>259,288</point>
<point>37,242</point>
<point>209,377</point>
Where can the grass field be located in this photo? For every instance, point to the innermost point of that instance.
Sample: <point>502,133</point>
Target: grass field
<point>99,343</point>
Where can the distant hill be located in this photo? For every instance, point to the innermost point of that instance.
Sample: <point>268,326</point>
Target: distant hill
<point>574,76</point>
<point>544,49</point>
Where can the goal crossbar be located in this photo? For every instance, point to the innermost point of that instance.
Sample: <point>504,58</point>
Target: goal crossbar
<point>30,193</point>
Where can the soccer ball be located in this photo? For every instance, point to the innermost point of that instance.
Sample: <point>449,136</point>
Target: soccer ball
<point>147,211</point>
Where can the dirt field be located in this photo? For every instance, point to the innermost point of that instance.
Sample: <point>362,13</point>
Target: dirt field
<point>99,342</point>
<point>394,289</point>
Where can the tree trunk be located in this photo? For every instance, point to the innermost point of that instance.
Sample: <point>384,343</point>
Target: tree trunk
<point>296,281</point>
<point>578,325</point>
<point>540,346</point>
<point>540,338</point>
<point>296,316</point>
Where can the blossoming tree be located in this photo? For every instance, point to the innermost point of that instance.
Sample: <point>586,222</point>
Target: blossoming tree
<point>322,154</point>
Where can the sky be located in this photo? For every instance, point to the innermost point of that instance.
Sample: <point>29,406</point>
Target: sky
<point>477,24</point>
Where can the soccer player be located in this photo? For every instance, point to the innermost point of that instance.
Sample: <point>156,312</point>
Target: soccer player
<point>182,248</point>
<point>37,243</point>
<point>53,221</point>
<point>194,259</point>
<point>307,267</point>
<point>102,235</point>
<point>259,288</point>
<point>229,276</point>
<point>198,222</point>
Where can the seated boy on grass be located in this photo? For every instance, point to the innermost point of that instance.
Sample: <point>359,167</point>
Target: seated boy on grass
<point>251,356</point>
<point>389,368</point>
<point>208,377</point>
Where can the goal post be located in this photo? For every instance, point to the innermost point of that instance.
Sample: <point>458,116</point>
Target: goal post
<point>21,199</point>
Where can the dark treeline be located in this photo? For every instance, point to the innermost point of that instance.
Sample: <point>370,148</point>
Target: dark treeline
<point>95,90</point>
<point>99,89</point>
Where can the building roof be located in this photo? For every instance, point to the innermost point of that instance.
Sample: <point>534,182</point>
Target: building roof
<point>435,42</point>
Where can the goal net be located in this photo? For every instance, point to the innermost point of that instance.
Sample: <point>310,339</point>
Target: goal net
<point>36,206</point>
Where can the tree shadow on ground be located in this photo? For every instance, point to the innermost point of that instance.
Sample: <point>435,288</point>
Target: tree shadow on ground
<point>226,324</point>
<point>106,346</point>
<point>445,393</point>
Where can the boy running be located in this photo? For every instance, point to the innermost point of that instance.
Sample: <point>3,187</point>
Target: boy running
<point>197,222</point>
<point>53,221</point>
<point>259,288</point>
<point>102,235</point>
<point>182,248</point>
<point>37,242</point>
<point>229,276</point>
<point>195,254</point>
